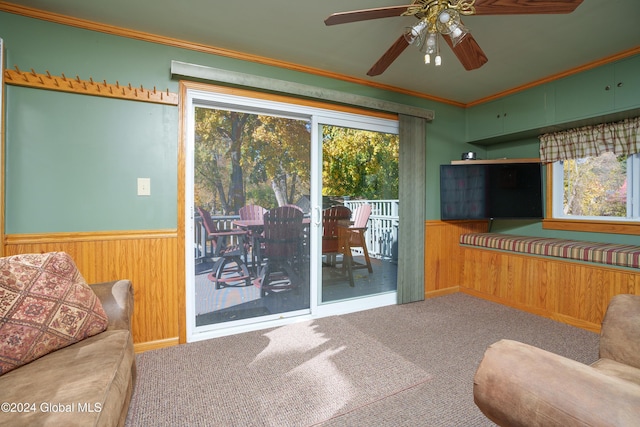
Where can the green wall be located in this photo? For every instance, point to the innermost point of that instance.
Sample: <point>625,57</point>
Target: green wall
<point>73,163</point>
<point>73,160</point>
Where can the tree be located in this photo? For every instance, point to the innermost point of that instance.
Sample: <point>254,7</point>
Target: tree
<point>281,148</point>
<point>266,160</point>
<point>360,163</point>
<point>220,136</point>
<point>595,186</point>
<point>274,150</point>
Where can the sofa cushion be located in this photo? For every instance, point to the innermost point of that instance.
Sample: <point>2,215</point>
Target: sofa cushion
<point>45,305</point>
<point>89,383</point>
<point>619,370</point>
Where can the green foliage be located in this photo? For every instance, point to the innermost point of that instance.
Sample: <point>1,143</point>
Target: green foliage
<point>596,186</point>
<point>281,150</point>
<point>359,163</point>
<point>243,158</point>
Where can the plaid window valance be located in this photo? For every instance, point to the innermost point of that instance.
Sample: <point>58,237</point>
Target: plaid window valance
<point>619,138</point>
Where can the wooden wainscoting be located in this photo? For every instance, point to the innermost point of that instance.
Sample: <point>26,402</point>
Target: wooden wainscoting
<point>148,258</point>
<point>443,258</point>
<point>571,292</point>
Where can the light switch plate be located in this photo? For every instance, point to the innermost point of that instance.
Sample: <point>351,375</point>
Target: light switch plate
<point>144,186</point>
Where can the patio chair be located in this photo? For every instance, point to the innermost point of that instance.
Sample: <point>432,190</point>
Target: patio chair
<point>282,247</point>
<point>356,234</point>
<point>335,239</point>
<point>229,268</point>
<point>294,206</point>
<point>254,212</point>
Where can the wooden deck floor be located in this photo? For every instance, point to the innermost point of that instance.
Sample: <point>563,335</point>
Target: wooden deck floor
<point>233,303</point>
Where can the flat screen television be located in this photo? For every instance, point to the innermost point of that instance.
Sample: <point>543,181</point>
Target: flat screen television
<point>491,191</point>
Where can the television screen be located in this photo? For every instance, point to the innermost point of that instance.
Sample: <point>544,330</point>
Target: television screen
<point>496,190</point>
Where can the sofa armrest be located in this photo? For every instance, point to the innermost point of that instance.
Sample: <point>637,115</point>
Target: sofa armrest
<point>620,333</point>
<point>117,300</point>
<point>517,385</point>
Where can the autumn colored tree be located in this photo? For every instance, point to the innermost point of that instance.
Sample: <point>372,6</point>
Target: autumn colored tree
<point>242,158</point>
<point>234,150</point>
<point>220,136</point>
<point>595,186</point>
<point>280,152</point>
<point>359,163</point>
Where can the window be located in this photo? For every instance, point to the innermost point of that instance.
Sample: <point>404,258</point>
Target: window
<point>598,188</point>
<point>593,178</point>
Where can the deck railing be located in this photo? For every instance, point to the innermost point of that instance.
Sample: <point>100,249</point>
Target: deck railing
<point>201,246</point>
<point>382,231</point>
<point>381,235</point>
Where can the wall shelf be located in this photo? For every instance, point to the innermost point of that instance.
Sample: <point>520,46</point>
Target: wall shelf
<point>494,161</point>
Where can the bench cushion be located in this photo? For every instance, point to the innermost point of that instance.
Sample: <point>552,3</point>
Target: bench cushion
<point>602,253</point>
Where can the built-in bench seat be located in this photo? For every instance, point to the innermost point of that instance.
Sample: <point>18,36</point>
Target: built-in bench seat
<point>601,253</point>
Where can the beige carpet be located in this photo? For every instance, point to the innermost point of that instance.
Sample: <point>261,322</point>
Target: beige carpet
<point>407,365</point>
<point>296,375</point>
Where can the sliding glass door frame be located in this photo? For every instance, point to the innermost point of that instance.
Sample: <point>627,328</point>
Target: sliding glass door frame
<point>318,115</point>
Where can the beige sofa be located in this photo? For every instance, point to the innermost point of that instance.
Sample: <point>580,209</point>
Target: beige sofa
<point>88,383</point>
<point>520,385</point>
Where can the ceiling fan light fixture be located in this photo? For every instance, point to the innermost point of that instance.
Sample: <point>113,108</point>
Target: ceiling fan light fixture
<point>442,17</point>
<point>416,32</point>
<point>457,34</point>
<point>431,46</point>
<point>431,43</point>
<point>447,21</point>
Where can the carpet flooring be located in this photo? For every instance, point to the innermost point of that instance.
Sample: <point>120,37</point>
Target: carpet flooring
<point>404,365</point>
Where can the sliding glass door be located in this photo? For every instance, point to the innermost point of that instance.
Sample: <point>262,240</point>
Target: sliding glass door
<point>255,211</point>
<point>359,173</point>
<point>247,162</point>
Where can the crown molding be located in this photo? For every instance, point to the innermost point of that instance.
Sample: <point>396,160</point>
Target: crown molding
<point>212,50</point>
<point>197,47</point>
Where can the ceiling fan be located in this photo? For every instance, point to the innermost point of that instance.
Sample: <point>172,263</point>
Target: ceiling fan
<point>442,18</point>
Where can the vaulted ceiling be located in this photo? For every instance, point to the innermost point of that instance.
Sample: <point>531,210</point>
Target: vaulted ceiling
<point>521,49</point>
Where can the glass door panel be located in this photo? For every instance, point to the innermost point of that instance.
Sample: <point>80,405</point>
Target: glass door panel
<point>359,177</point>
<point>246,165</point>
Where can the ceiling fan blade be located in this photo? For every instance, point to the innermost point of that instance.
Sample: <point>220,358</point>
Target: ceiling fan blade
<point>468,52</point>
<point>389,56</point>
<point>365,14</point>
<point>515,7</point>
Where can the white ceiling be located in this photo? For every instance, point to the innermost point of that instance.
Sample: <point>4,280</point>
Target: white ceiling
<point>521,48</point>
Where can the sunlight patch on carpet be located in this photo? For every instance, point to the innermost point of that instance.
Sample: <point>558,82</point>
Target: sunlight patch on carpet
<point>295,375</point>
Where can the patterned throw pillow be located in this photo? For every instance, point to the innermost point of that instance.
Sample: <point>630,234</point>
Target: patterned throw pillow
<point>45,305</point>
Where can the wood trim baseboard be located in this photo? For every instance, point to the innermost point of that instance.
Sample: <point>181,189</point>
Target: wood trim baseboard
<point>593,327</point>
<point>442,292</point>
<point>553,316</point>
<point>155,345</point>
